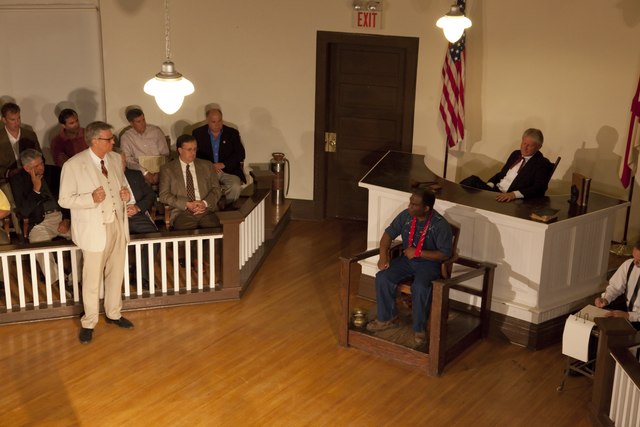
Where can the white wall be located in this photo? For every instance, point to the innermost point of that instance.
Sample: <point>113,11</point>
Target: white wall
<point>568,67</point>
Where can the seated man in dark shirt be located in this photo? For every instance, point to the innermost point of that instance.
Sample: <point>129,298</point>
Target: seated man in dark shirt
<point>35,189</point>
<point>525,174</point>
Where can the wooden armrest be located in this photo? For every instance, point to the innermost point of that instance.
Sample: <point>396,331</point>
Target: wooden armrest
<point>361,256</point>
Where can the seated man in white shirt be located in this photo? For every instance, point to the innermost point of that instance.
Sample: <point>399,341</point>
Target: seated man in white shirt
<point>625,283</point>
<point>143,140</point>
<point>525,174</point>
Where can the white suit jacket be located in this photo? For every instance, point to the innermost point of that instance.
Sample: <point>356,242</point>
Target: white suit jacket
<point>80,177</point>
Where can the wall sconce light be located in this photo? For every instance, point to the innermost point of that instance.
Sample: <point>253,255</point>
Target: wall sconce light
<point>454,23</point>
<point>169,87</point>
<point>367,5</point>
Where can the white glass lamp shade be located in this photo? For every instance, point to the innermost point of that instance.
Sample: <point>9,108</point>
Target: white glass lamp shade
<point>169,88</point>
<point>453,25</point>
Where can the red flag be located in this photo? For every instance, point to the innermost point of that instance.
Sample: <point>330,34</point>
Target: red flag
<point>630,162</point>
<point>452,99</point>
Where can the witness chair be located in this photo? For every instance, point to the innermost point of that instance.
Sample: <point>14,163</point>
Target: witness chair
<point>452,327</point>
<point>554,166</point>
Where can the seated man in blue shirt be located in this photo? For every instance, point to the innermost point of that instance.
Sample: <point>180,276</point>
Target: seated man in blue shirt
<point>221,145</point>
<point>427,241</point>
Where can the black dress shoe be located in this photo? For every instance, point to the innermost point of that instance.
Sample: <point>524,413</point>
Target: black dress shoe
<point>85,335</point>
<point>121,322</point>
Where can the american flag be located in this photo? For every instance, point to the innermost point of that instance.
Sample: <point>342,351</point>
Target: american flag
<point>630,162</point>
<point>452,100</point>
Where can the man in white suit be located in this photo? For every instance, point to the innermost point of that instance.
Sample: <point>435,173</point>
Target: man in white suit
<point>93,187</point>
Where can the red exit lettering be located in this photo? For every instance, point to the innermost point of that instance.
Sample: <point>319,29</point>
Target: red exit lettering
<point>367,19</point>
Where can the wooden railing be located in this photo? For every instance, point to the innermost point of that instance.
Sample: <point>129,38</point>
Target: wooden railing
<point>616,385</point>
<point>185,267</point>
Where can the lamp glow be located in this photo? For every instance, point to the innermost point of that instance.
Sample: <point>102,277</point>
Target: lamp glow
<point>453,24</point>
<point>169,88</point>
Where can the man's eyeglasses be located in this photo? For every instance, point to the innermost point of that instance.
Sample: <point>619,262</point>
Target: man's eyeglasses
<point>112,138</point>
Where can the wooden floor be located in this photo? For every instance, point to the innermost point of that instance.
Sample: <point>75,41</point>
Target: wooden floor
<point>269,359</point>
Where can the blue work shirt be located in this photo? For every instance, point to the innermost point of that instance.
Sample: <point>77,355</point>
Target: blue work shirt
<point>439,236</point>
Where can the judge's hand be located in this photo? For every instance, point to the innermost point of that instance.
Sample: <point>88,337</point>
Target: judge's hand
<point>506,197</point>
<point>601,302</point>
<point>98,195</point>
<point>617,313</point>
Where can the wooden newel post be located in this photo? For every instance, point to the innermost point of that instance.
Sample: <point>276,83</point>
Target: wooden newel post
<point>230,248</point>
<point>613,332</point>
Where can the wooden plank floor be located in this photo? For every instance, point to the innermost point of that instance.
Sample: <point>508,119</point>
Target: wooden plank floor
<point>269,359</point>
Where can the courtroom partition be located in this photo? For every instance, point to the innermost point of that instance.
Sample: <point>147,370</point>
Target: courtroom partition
<point>545,270</point>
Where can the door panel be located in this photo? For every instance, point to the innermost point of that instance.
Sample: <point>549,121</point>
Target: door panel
<point>369,86</point>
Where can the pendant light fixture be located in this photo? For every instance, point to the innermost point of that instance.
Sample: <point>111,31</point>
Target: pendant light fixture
<point>169,87</point>
<point>454,23</point>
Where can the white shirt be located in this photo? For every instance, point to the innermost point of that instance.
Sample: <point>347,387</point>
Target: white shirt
<point>192,170</point>
<point>150,143</point>
<point>618,284</point>
<point>506,182</point>
<point>14,142</point>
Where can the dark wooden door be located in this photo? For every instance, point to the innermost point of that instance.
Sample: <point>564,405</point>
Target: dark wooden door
<point>369,94</point>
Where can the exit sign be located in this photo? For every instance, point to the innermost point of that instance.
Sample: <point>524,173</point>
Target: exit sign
<point>365,19</point>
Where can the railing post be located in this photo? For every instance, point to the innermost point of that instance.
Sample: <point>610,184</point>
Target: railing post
<point>614,331</point>
<point>230,248</point>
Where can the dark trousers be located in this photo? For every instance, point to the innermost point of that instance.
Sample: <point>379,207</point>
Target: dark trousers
<point>142,223</point>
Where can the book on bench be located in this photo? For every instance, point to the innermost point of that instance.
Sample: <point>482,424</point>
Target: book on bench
<point>545,214</point>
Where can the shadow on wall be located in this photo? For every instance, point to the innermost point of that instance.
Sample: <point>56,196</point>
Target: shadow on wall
<point>600,164</point>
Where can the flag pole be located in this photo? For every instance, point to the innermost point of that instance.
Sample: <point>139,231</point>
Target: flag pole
<point>446,159</point>
<point>630,199</point>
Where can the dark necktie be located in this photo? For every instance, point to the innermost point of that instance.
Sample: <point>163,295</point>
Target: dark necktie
<point>635,291</point>
<point>104,170</point>
<point>520,162</point>
<point>191,191</point>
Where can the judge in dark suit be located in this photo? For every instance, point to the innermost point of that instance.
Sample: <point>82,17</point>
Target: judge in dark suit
<point>35,189</point>
<point>190,186</point>
<point>221,145</point>
<point>525,174</point>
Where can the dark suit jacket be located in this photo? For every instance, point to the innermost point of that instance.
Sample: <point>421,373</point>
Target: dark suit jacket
<point>28,139</point>
<point>145,199</point>
<point>173,189</point>
<point>533,178</point>
<point>29,204</point>
<point>231,151</point>
<point>142,191</point>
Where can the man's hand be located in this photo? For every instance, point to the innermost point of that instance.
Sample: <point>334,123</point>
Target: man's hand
<point>98,195</point>
<point>196,207</point>
<point>601,302</point>
<point>410,252</point>
<point>506,197</point>
<point>36,180</point>
<point>132,210</point>
<point>63,227</point>
<point>383,261</point>
<point>218,167</point>
<point>125,195</point>
<point>617,313</point>
<point>152,178</point>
